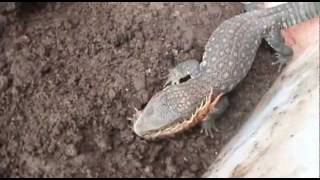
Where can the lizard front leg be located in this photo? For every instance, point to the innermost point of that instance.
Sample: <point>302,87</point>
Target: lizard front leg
<point>284,52</point>
<point>209,122</point>
<point>183,69</point>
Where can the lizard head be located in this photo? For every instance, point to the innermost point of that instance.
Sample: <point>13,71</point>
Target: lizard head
<point>158,120</point>
<point>155,117</point>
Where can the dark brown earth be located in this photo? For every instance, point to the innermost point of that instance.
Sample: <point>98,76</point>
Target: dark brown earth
<point>71,74</point>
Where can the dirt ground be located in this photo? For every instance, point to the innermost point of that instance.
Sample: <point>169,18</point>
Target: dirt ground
<point>71,74</point>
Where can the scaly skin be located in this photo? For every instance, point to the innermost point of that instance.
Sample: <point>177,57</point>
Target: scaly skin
<point>228,57</point>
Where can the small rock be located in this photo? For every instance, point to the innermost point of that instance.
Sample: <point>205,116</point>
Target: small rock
<point>176,13</point>
<point>14,91</point>
<point>216,142</point>
<point>148,169</point>
<point>24,39</point>
<point>137,164</point>
<point>71,150</point>
<point>111,93</point>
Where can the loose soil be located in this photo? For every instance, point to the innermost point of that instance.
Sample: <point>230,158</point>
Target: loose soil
<point>71,74</point>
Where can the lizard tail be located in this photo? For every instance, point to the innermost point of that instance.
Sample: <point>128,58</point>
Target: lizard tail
<point>287,14</point>
<point>293,13</point>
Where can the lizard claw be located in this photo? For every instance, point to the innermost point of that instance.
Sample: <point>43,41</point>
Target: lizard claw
<point>208,128</point>
<point>282,61</point>
<point>207,132</point>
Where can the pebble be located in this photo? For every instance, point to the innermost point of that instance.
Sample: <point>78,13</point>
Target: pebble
<point>71,150</point>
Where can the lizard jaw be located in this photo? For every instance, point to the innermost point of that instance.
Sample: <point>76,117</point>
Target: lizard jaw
<point>177,127</point>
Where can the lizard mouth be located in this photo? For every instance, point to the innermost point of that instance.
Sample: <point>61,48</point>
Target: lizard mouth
<point>152,133</point>
<point>174,128</point>
<point>160,132</point>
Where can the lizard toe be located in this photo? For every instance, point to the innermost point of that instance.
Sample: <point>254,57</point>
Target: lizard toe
<point>282,61</point>
<point>209,128</point>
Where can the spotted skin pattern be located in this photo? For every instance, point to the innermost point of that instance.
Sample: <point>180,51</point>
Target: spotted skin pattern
<point>228,57</point>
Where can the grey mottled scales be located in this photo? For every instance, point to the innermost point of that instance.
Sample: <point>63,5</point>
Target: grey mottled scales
<point>228,57</point>
<point>189,67</point>
<point>231,50</point>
